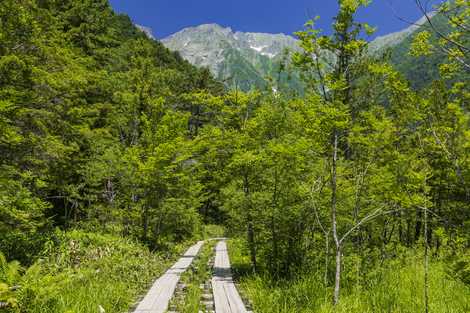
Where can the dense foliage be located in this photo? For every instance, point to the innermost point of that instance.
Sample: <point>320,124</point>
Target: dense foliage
<point>436,37</point>
<point>94,126</point>
<point>345,181</point>
<point>81,272</point>
<point>109,143</point>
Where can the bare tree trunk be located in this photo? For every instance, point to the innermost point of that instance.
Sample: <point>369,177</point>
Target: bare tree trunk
<point>418,225</point>
<point>337,275</point>
<point>275,254</point>
<point>333,218</point>
<point>66,213</point>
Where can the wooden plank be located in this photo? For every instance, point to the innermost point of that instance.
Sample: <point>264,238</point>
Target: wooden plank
<point>226,297</point>
<point>161,292</point>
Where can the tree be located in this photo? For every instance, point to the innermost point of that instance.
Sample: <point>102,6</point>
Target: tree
<point>452,42</point>
<point>337,91</point>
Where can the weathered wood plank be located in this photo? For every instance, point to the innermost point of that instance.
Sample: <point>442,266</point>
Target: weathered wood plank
<point>161,292</point>
<point>226,297</point>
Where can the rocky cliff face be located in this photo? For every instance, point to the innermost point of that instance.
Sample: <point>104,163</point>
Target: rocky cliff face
<point>238,58</point>
<point>246,60</point>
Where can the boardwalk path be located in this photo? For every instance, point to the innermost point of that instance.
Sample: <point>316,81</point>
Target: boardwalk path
<point>158,297</point>
<point>226,297</point>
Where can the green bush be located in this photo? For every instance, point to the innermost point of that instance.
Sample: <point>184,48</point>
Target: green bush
<point>9,276</point>
<point>461,266</point>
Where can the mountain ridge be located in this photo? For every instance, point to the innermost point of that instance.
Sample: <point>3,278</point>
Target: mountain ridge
<point>147,31</point>
<point>395,38</point>
<point>243,59</point>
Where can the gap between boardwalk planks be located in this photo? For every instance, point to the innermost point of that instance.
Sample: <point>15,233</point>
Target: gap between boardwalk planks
<point>161,292</point>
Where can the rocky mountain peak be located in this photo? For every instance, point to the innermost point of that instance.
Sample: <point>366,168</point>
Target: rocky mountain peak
<point>228,54</point>
<point>248,58</point>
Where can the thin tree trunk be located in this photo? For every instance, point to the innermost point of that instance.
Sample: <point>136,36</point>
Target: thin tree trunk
<point>400,228</point>
<point>145,223</point>
<point>275,254</point>
<point>409,238</point>
<point>337,275</point>
<point>418,226</point>
<point>333,219</point>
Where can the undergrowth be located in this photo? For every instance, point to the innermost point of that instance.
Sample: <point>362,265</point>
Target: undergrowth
<point>82,272</point>
<point>192,279</point>
<point>394,287</point>
<point>213,231</point>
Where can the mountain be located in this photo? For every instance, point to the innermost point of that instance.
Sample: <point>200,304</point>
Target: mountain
<point>393,39</point>
<point>237,58</point>
<point>421,71</point>
<point>147,31</point>
<point>244,60</point>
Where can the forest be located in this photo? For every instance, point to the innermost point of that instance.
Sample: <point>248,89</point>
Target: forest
<point>116,154</point>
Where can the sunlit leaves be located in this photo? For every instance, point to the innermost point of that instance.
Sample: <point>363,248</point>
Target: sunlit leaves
<point>421,45</point>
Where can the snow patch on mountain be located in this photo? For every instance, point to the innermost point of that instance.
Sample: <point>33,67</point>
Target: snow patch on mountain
<point>259,49</point>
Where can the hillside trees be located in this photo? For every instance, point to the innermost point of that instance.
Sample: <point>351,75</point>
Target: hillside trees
<point>93,133</point>
<point>444,40</point>
<point>104,130</point>
<point>352,164</point>
<point>453,43</point>
<point>338,105</point>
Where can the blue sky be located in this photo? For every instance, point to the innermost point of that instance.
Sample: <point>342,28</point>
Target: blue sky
<point>166,17</point>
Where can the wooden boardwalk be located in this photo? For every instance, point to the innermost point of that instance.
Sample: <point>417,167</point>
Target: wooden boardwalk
<point>159,296</point>
<point>226,297</point>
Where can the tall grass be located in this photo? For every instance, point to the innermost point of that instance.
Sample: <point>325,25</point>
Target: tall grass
<point>81,272</point>
<point>193,278</point>
<point>394,287</point>
<point>213,231</point>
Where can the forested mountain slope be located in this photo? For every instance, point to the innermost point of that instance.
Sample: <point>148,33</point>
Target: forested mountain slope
<point>419,71</point>
<point>392,40</point>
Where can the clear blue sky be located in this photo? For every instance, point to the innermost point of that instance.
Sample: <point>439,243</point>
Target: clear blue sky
<point>166,17</point>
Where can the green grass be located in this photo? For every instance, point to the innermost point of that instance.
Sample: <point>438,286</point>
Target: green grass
<point>191,301</point>
<point>213,231</point>
<point>80,272</point>
<point>395,287</point>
